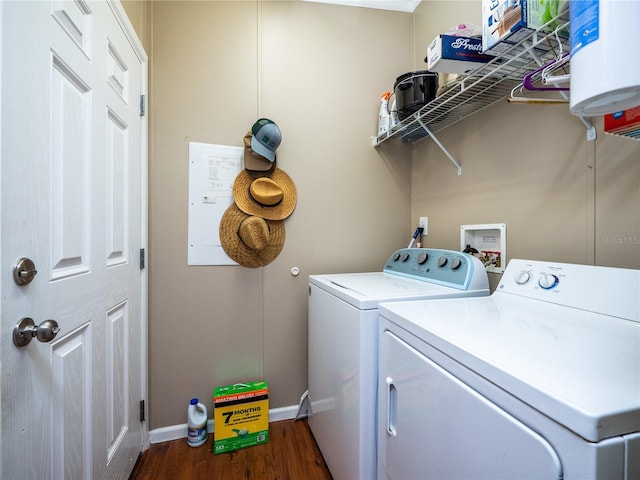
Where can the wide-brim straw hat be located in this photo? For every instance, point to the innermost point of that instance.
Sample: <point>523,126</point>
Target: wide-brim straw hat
<point>249,240</point>
<point>273,197</point>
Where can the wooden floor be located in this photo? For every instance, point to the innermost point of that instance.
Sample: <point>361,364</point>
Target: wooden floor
<point>290,454</point>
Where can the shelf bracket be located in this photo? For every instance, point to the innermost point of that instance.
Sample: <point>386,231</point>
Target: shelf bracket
<point>591,130</point>
<point>444,150</point>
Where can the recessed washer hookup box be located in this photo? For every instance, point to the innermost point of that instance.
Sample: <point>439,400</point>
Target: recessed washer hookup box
<point>240,416</point>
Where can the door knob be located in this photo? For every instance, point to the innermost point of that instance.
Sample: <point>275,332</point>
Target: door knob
<point>26,329</point>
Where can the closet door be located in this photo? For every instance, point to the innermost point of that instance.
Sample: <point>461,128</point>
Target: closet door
<point>71,202</point>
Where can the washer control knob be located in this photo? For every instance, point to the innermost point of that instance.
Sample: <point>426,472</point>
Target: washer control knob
<point>523,277</point>
<point>405,257</point>
<point>422,258</point>
<point>455,263</point>
<point>547,281</point>
<point>396,256</point>
<point>442,261</point>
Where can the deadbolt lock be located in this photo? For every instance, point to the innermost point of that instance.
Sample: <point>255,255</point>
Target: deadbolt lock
<point>23,271</point>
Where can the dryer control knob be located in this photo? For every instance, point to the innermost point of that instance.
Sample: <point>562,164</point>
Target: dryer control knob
<point>442,261</point>
<point>455,263</point>
<point>422,258</point>
<point>523,277</point>
<point>547,281</point>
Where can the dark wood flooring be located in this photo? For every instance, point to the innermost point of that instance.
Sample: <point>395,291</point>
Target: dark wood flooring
<point>290,454</point>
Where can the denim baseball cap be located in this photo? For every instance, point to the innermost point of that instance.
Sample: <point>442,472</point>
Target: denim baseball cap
<point>266,138</point>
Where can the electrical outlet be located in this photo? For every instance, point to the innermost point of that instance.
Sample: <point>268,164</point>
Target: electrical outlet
<point>424,224</point>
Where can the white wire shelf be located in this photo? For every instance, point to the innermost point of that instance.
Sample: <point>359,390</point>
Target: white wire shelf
<point>489,83</point>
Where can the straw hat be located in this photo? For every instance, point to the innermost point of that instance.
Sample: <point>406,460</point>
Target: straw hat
<point>249,240</point>
<point>273,197</point>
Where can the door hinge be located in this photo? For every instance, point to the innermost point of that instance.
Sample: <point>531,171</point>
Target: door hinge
<point>142,411</point>
<point>142,105</point>
<point>142,259</point>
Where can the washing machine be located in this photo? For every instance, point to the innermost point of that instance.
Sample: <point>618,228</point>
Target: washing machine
<point>343,345</point>
<point>540,380</point>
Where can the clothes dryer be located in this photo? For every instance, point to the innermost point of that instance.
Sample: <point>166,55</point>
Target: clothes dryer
<point>343,345</point>
<point>540,380</point>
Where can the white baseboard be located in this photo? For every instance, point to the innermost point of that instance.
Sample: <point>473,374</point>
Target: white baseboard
<point>174,432</point>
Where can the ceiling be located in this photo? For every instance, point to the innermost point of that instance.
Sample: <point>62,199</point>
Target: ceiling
<point>398,5</point>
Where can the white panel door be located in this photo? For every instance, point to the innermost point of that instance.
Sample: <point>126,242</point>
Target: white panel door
<point>433,426</point>
<point>71,196</point>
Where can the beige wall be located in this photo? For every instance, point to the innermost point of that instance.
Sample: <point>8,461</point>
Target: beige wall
<point>529,166</point>
<point>318,70</point>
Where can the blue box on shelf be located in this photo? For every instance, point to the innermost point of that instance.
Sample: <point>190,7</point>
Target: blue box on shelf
<point>450,54</point>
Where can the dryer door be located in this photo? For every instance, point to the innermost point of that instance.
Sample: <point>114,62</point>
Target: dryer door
<point>433,426</point>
